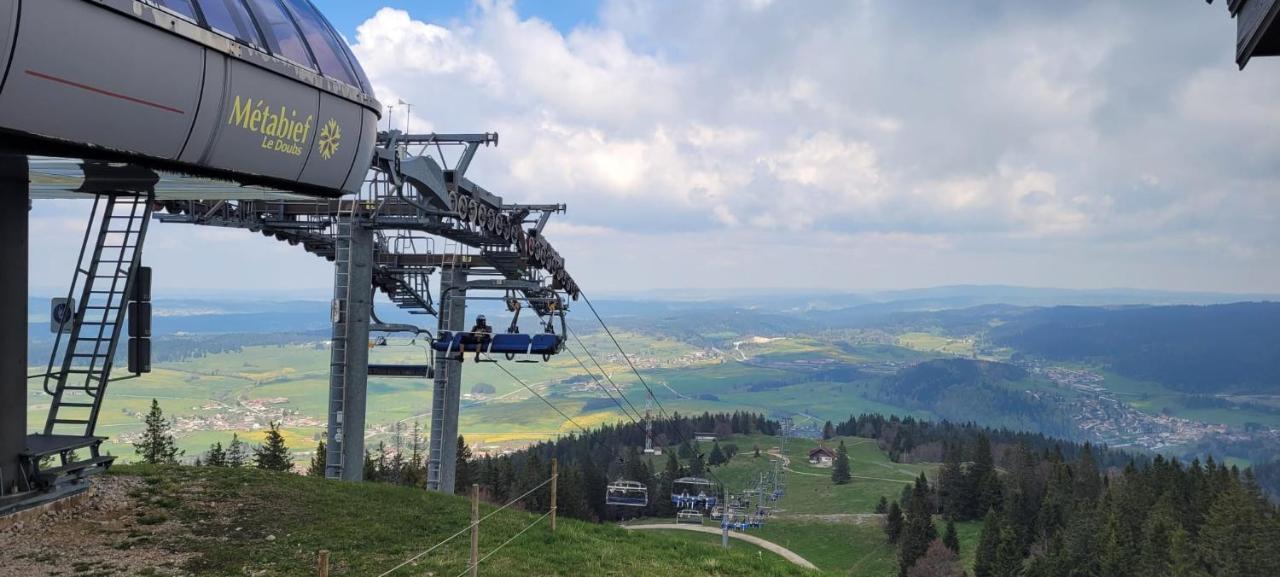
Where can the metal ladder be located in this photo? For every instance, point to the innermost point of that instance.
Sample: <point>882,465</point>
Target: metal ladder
<point>436,441</point>
<point>338,349</point>
<point>82,373</point>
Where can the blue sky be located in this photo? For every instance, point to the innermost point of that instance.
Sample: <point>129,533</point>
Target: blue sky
<point>346,15</point>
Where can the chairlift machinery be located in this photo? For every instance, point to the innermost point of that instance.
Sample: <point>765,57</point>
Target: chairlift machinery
<point>186,146</point>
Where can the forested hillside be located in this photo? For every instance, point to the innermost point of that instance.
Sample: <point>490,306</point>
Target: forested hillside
<point>1195,349</point>
<point>1063,510</point>
<point>962,389</point>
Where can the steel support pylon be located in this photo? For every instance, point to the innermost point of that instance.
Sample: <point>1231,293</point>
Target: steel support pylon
<point>447,391</point>
<point>349,350</point>
<point>14,204</point>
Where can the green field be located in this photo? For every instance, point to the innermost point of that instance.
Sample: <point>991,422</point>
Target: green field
<point>240,392</point>
<point>809,490</point>
<point>936,344</point>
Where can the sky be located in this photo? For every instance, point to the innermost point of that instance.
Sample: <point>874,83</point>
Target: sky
<point>845,145</point>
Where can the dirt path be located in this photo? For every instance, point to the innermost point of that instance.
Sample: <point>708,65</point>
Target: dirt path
<point>787,554</point>
<point>110,534</point>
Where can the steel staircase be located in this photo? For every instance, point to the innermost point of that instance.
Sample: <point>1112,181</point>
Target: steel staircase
<point>79,370</point>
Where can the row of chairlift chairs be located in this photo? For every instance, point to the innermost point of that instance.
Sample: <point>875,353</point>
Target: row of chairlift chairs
<point>694,497</point>
<point>512,344</point>
<point>695,500</point>
<point>687,494</point>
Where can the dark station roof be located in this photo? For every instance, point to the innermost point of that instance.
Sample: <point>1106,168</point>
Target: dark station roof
<point>292,30</point>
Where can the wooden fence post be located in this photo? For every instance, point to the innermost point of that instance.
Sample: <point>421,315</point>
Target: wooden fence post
<point>322,563</point>
<point>555,476</point>
<point>475,530</point>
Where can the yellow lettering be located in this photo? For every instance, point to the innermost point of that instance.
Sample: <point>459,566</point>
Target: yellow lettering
<point>240,113</point>
<point>281,131</point>
<point>306,130</point>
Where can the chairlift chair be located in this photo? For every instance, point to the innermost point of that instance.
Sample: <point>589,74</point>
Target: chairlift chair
<point>691,516</point>
<point>627,494</point>
<point>420,371</point>
<point>510,344</point>
<point>692,493</point>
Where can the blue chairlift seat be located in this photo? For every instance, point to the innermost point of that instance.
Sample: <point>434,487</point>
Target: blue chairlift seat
<point>509,344</point>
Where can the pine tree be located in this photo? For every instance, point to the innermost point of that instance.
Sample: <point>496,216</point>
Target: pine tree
<point>504,490</point>
<point>840,473</point>
<point>273,455</point>
<point>1155,558</point>
<point>951,539</point>
<point>717,457</point>
<point>951,495</point>
<point>157,446</point>
<point>369,468</point>
<point>318,461</point>
<point>919,531</point>
<point>828,431</point>
<point>417,475</point>
<point>463,476</point>
<point>893,523</point>
<point>882,506</point>
<point>1008,553</point>
<point>983,482</point>
<point>1088,479</point>
<point>1183,561</point>
<point>985,560</point>
<point>216,456</point>
<point>534,474</point>
<point>1117,550</point>
<point>237,454</point>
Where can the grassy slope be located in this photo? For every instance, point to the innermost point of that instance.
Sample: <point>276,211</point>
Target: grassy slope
<point>370,528</point>
<point>827,523</point>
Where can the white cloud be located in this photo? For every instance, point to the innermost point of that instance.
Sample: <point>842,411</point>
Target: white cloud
<point>979,129</point>
<point>881,143</point>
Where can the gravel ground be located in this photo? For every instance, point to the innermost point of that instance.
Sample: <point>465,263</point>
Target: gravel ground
<point>111,534</point>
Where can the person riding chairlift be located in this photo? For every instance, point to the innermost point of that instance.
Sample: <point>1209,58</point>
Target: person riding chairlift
<point>480,335</point>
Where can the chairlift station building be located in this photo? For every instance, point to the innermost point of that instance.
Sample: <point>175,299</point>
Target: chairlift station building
<point>251,114</point>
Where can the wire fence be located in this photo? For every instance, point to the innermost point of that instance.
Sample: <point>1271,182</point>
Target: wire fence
<point>471,566</point>
<point>473,525</point>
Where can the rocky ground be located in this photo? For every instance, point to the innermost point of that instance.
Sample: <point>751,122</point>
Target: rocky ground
<point>119,531</point>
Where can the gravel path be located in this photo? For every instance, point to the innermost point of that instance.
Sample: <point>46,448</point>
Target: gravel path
<point>787,554</point>
<point>108,535</point>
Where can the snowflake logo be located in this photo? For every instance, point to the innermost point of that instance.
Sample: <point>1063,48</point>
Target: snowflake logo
<point>330,137</point>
